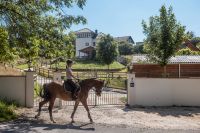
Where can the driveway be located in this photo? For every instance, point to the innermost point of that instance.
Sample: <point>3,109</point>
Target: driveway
<point>35,127</point>
<point>109,119</point>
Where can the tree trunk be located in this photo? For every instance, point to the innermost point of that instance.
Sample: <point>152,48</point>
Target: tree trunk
<point>108,75</point>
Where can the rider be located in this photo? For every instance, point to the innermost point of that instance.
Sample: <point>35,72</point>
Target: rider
<point>69,75</point>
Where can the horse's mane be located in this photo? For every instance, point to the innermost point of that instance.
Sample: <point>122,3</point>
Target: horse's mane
<point>88,80</point>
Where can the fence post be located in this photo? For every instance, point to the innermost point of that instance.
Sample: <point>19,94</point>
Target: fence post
<point>29,90</point>
<point>57,78</point>
<point>43,72</point>
<point>39,71</point>
<point>95,100</point>
<point>48,73</point>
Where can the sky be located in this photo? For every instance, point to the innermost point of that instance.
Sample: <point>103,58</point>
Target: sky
<point>124,17</point>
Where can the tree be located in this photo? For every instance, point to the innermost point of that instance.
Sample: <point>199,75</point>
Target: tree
<point>69,48</point>
<point>7,54</point>
<point>187,51</point>
<point>164,36</point>
<point>107,50</point>
<point>125,48</point>
<point>43,20</point>
<point>138,49</point>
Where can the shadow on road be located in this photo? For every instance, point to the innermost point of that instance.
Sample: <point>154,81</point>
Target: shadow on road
<point>27,125</point>
<point>167,111</point>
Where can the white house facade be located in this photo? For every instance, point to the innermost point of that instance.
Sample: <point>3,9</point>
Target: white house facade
<point>86,42</point>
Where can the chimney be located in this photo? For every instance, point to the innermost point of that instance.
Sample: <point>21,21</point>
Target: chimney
<point>96,31</point>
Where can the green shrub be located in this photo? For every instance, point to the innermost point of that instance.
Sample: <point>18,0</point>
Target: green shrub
<point>7,108</point>
<point>37,88</point>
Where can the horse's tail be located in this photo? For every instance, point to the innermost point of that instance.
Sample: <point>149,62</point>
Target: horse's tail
<point>44,92</point>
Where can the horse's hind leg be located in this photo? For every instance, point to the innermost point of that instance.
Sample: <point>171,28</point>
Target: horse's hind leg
<point>75,107</point>
<point>51,104</point>
<point>84,102</point>
<point>40,106</point>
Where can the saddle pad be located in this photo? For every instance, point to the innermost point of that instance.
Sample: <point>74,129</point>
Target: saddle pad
<point>67,87</point>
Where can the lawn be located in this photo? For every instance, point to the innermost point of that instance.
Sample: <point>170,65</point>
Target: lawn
<point>91,65</point>
<point>22,66</point>
<point>7,110</point>
<point>118,83</point>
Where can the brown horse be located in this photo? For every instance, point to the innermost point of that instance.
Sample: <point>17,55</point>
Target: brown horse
<point>54,90</point>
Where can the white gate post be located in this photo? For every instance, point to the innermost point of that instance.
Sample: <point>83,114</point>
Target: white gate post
<point>57,78</point>
<point>29,90</point>
<point>131,89</point>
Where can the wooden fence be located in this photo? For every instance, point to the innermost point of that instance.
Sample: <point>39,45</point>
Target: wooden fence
<point>82,75</point>
<point>117,79</point>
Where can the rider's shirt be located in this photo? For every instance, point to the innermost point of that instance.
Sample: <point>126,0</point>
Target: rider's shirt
<point>69,73</point>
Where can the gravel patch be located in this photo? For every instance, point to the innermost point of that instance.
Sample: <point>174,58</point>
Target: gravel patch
<point>184,118</point>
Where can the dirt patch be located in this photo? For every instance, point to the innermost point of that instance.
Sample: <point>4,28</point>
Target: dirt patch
<point>156,118</point>
<point>9,71</point>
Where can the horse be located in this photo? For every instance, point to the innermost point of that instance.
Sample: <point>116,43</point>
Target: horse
<point>54,90</point>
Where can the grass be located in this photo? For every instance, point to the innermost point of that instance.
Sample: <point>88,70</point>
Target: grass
<point>118,83</point>
<point>7,110</point>
<point>123,99</point>
<point>22,66</point>
<point>91,65</point>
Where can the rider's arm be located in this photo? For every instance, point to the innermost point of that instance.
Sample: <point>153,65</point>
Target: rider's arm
<point>71,74</point>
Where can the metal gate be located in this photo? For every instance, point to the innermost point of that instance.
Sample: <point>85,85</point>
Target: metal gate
<point>111,95</point>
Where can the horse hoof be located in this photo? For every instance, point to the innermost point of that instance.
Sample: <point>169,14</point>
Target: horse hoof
<point>53,121</point>
<point>72,121</point>
<point>91,121</point>
<point>36,117</point>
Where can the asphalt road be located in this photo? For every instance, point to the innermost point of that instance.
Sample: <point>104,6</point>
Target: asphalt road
<point>21,126</point>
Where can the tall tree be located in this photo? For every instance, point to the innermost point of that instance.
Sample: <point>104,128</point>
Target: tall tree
<point>7,53</point>
<point>44,20</point>
<point>107,50</point>
<point>164,36</point>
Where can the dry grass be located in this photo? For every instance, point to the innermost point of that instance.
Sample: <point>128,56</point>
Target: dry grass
<point>9,71</point>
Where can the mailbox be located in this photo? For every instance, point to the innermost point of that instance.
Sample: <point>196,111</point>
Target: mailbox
<point>132,83</point>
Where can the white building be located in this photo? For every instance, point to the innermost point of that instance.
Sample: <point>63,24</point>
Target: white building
<point>86,42</point>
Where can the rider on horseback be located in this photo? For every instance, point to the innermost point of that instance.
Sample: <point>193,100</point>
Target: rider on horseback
<point>73,86</point>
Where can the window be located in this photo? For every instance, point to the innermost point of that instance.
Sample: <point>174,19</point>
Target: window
<point>94,44</point>
<point>86,44</point>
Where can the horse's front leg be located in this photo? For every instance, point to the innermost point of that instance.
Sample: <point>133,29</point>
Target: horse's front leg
<point>51,104</point>
<point>75,107</point>
<point>84,102</point>
<point>40,106</point>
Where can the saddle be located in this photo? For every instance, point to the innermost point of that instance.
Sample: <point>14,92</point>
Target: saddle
<point>68,87</point>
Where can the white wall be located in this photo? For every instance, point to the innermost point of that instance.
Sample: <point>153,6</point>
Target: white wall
<point>164,92</point>
<point>80,44</point>
<point>18,88</point>
<point>13,88</point>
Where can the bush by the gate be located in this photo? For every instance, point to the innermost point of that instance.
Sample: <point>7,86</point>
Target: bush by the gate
<point>7,110</point>
<point>37,88</point>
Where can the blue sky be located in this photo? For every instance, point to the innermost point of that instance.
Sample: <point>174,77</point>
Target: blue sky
<point>124,17</point>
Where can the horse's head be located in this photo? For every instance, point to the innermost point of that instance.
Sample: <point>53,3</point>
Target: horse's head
<point>93,82</point>
<point>98,86</point>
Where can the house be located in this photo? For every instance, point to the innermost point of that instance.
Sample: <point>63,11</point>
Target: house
<point>125,39</point>
<point>86,40</point>
<point>191,44</point>
<point>178,67</point>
